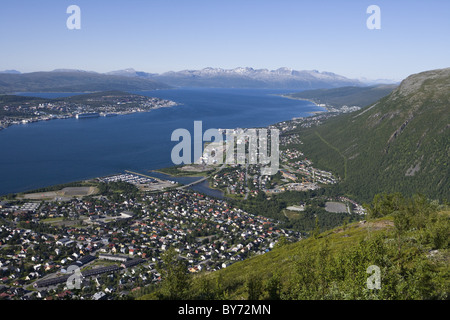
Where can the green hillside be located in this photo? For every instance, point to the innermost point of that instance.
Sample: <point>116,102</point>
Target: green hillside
<point>349,96</point>
<point>406,238</point>
<point>399,144</point>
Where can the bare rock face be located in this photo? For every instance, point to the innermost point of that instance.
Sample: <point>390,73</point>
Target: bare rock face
<point>429,81</point>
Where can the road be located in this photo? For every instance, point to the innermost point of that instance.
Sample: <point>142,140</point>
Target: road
<point>200,180</point>
<point>192,183</point>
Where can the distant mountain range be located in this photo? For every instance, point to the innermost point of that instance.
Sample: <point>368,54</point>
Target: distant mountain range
<point>73,80</point>
<point>282,78</point>
<point>11,72</point>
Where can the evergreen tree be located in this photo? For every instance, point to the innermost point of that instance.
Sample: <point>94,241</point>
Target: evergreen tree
<point>176,280</point>
<point>254,287</point>
<point>316,231</point>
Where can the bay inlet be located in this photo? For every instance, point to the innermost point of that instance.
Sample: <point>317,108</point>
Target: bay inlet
<point>53,152</point>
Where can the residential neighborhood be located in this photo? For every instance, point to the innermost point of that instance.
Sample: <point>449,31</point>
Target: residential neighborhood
<point>297,174</point>
<point>110,233</point>
<point>41,242</point>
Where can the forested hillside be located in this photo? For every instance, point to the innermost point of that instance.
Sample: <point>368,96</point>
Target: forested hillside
<point>349,96</point>
<point>399,144</point>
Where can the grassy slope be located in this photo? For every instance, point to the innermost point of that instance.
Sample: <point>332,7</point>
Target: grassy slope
<point>407,276</point>
<point>411,274</point>
<point>285,261</point>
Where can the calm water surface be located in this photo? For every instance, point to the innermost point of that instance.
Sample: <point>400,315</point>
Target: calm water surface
<point>52,152</point>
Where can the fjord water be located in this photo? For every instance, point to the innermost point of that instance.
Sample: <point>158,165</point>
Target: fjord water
<point>59,151</point>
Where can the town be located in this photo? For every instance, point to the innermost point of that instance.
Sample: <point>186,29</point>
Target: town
<point>16,111</point>
<point>117,239</point>
<point>297,173</point>
<point>115,230</point>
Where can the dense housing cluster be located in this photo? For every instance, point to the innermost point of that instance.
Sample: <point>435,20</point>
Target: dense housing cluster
<point>118,244</point>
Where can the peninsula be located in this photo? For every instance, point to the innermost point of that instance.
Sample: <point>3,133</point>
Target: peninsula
<point>21,109</point>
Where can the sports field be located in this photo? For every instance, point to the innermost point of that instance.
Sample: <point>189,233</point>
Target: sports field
<point>335,207</point>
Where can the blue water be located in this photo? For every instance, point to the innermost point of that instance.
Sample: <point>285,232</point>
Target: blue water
<point>58,151</point>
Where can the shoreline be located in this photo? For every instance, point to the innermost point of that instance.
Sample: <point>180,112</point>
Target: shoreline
<point>313,113</point>
<point>73,116</point>
<point>198,175</point>
<point>176,176</point>
<point>208,186</point>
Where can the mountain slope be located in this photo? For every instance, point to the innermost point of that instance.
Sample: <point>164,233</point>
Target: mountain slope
<point>73,81</point>
<point>400,143</point>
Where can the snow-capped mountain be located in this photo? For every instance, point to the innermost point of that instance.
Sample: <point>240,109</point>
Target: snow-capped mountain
<point>245,77</point>
<point>73,71</point>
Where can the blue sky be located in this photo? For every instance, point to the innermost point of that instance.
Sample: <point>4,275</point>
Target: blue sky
<point>163,35</point>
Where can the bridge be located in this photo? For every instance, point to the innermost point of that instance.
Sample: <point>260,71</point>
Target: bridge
<point>183,186</point>
<point>191,184</point>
